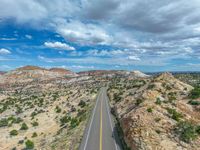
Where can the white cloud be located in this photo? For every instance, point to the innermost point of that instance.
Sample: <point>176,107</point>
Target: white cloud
<point>110,53</point>
<point>59,45</point>
<point>22,10</point>
<point>4,51</point>
<point>134,58</point>
<point>8,39</point>
<point>84,34</point>
<point>28,36</point>
<point>154,29</point>
<point>81,67</point>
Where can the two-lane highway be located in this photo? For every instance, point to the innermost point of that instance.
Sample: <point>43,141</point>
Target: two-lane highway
<point>99,133</point>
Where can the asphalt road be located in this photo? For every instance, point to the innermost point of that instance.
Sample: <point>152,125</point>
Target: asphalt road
<point>100,132</point>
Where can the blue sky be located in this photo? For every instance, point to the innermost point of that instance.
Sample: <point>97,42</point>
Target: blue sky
<point>101,34</point>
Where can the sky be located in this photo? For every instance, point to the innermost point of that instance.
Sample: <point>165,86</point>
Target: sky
<point>146,35</point>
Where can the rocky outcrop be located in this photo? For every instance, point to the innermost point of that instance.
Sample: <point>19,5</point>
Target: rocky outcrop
<point>30,73</point>
<point>149,114</point>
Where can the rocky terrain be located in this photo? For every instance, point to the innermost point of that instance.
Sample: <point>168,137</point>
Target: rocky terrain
<point>49,108</point>
<point>32,73</point>
<point>44,108</point>
<point>158,112</point>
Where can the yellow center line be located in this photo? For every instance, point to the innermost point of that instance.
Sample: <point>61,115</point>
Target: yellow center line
<point>100,143</point>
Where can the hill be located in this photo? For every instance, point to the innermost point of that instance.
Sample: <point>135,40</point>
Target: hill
<point>156,113</point>
<point>30,73</point>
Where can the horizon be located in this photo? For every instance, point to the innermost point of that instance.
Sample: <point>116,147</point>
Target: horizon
<point>60,67</point>
<point>86,35</point>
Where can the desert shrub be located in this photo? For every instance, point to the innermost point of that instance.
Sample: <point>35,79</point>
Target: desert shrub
<point>158,131</point>
<point>24,126</point>
<point>82,115</point>
<point>29,144</point>
<point>149,110</point>
<point>74,122</point>
<point>195,93</point>
<point>20,141</point>
<point>58,109</point>
<point>64,120</point>
<point>19,110</point>
<point>186,131</point>
<point>13,132</point>
<point>12,119</point>
<point>34,135</point>
<point>193,102</point>
<point>3,122</point>
<point>117,97</point>
<point>82,104</point>
<point>157,119</point>
<point>158,101</point>
<point>33,114</point>
<point>171,96</point>
<point>34,124</point>
<point>174,114</point>
<point>198,129</point>
<point>18,120</point>
<point>138,102</point>
<point>151,86</point>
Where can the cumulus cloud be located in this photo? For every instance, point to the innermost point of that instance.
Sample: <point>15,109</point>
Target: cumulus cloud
<point>22,10</point>
<point>4,51</point>
<point>59,45</point>
<point>84,34</point>
<point>36,11</point>
<point>135,29</point>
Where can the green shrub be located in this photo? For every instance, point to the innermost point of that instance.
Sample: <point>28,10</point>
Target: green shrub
<point>33,114</point>
<point>117,97</point>
<point>74,122</point>
<point>171,97</point>
<point>138,102</point>
<point>82,104</point>
<point>195,93</point>
<point>149,110</point>
<point>193,102</point>
<point>174,114</point>
<point>198,129</point>
<point>65,120</point>
<point>186,131</point>
<point>3,122</point>
<point>24,126</point>
<point>34,135</point>
<point>13,132</point>
<point>34,124</point>
<point>157,119</point>
<point>151,86</point>
<point>158,101</point>
<point>58,109</point>
<point>29,144</point>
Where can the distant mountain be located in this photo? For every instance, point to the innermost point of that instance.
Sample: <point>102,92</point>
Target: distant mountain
<point>113,73</point>
<point>137,73</point>
<point>2,72</point>
<point>29,73</point>
<point>96,72</point>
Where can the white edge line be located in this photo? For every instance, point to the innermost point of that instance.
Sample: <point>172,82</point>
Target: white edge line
<point>110,122</point>
<point>91,121</point>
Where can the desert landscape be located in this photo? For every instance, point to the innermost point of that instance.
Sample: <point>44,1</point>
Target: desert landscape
<point>49,108</point>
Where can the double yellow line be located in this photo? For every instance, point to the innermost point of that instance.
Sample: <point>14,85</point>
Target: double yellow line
<point>101,124</point>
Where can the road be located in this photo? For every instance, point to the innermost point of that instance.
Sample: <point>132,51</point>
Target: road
<point>100,132</point>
